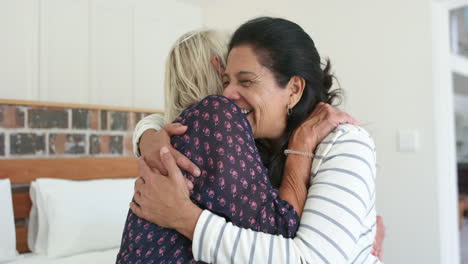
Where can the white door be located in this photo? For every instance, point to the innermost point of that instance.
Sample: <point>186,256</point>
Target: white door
<point>445,63</point>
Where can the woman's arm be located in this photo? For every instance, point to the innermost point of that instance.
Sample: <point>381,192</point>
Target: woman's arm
<point>295,182</point>
<point>340,202</point>
<point>151,135</point>
<point>150,124</point>
<point>305,138</point>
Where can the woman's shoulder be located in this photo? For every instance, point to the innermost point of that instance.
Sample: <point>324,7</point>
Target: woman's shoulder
<point>349,132</point>
<point>348,147</point>
<point>214,103</point>
<point>346,134</point>
<point>216,110</point>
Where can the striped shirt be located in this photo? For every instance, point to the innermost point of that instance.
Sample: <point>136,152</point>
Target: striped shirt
<point>338,222</point>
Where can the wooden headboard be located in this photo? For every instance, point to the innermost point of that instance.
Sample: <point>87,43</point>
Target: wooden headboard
<point>22,172</point>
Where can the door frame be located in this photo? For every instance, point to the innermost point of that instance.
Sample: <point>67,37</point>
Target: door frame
<point>445,130</point>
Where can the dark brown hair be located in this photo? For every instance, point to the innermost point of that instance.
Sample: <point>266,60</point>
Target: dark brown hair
<point>287,50</point>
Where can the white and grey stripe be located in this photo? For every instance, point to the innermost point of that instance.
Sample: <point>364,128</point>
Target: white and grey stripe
<point>344,189</point>
<point>362,251</point>
<point>236,243</point>
<point>342,227</point>
<point>348,141</point>
<point>367,231</point>
<point>313,249</point>
<point>203,234</point>
<point>252,250</point>
<point>347,172</point>
<point>270,254</point>
<point>337,204</point>
<point>218,243</point>
<point>335,245</point>
<point>353,157</point>
<point>334,227</point>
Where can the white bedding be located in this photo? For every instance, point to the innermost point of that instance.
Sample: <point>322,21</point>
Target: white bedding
<point>98,257</point>
<point>74,217</point>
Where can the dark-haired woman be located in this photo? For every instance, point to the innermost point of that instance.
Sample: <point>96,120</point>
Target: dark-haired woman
<point>273,74</point>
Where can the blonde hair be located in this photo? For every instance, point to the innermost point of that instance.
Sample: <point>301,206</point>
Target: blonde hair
<point>190,74</point>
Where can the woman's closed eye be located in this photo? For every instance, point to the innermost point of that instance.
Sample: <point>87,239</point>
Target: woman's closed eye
<point>245,83</point>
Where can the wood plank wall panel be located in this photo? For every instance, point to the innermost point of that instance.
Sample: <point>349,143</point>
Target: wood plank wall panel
<point>27,170</point>
<point>22,239</point>
<point>64,50</point>
<point>98,52</point>
<point>21,205</point>
<point>112,61</point>
<point>19,49</point>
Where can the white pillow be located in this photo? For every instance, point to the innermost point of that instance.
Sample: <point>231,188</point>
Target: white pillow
<point>7,223</point>
<point>78,216</point>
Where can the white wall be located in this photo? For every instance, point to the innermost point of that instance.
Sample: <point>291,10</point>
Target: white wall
<point>382,54</point>
<point>106,52</point>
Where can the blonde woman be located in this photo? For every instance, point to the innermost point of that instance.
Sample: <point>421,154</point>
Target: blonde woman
<point>193,71</point>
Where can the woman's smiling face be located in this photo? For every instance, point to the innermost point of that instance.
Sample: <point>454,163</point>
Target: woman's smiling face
<point>255,90</point>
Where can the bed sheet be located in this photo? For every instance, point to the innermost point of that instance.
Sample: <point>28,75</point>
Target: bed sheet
<point>97,257</point>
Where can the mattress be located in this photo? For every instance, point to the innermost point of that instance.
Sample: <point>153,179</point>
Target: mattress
<point>97,257</point>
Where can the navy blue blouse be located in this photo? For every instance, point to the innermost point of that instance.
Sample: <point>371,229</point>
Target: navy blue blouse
<point>233,184</point>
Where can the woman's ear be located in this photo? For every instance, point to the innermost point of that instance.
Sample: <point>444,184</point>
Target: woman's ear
<point>296,87</point>
<point>217,65</point>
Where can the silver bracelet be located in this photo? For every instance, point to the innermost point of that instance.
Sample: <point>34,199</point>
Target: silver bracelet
<point>290,151</point>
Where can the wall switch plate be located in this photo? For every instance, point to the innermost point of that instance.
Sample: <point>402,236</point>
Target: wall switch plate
<point>408,140</point>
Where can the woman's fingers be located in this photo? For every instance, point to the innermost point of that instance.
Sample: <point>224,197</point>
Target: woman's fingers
<point>171,165</point>
<point>185,164</point>
<point>138,199</point>
<point>189,184</point>
<point>139,181</point>
<point>144,169</point>
<point>379,238</point>
<point>175,129</point>
<point>148,176</point>
<point>174,171</point>
<point>335,116</point>
<point>153,160</point>
<point>343,118</point>
<point>136,209</point>
<point>377,253</point>
<point>351,120</point>
<point>317,110</point>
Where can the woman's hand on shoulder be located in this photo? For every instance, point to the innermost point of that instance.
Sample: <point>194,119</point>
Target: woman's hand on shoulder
<point>305,138</point>
<point>152,141</point>
<point>320,123</point>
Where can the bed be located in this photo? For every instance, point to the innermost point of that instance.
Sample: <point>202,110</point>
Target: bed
<point>96,257</point>
<point>22,172</point>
